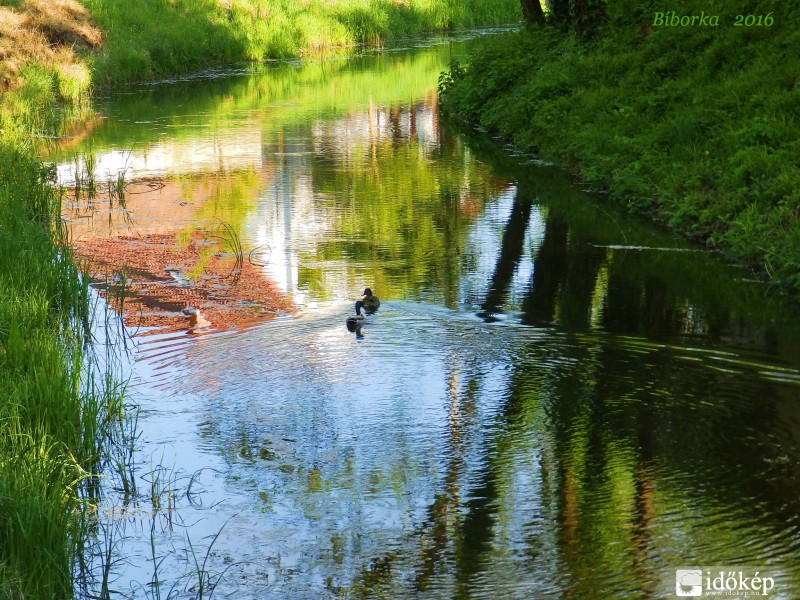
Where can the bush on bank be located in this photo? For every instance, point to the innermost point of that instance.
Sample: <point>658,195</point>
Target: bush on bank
<point>697,126</point>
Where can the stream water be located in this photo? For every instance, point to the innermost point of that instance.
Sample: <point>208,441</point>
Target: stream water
<point>555,399</point>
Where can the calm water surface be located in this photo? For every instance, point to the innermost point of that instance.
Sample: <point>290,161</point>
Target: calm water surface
<point>554,400</point>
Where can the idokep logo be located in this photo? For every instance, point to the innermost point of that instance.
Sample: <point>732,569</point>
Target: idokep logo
<point>689,582</point>
<point>722,581</point>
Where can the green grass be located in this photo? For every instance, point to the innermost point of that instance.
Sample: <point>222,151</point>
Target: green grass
<point>51,429</point>
<point>158,38</point>
<point>52,425</point>
<point>697,127</point>
<point>46,102</point>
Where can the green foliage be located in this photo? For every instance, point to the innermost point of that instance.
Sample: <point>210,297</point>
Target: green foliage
<point>583,17</point>
<point>697,126</point>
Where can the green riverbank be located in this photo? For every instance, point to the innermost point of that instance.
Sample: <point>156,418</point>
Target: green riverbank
<point>696,126</point>
<point>155,38</point>
<point>53,420</point>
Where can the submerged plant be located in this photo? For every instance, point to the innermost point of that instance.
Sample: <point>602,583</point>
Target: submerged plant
<point>230,239</point>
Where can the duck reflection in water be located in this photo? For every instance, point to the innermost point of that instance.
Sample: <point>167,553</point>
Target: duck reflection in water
<point>354,324</point>
<point>197,322</point>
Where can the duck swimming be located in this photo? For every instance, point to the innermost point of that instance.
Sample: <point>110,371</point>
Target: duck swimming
<point>370,302</point>
<point>196,320</point>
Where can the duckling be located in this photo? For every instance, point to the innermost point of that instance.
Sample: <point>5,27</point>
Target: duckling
<point>371,302</point>
<point>196,320</point>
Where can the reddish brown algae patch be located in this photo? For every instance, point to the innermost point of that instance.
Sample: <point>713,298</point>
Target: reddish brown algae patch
<point>151,278</point>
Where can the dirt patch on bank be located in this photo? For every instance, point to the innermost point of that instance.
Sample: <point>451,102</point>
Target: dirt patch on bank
<point>150,279</point>
<point>45,31</point>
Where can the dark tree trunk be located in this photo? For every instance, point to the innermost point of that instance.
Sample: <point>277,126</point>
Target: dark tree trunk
<point>587,15</point>
<point>560,14</point>
<point>532,11</point>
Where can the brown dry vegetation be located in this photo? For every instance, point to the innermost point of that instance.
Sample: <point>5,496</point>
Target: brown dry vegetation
<point>46,31</point>
<point>229,295</point>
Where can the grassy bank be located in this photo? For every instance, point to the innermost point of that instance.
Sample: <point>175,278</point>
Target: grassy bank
<point>52,421</point>
<point>51,426</point>
<point>698,127</point>
<point>155,38</point>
